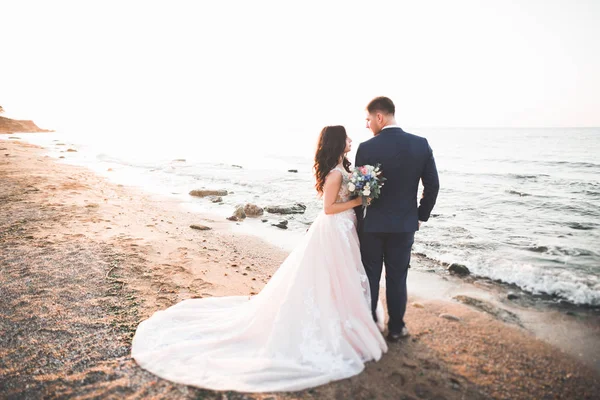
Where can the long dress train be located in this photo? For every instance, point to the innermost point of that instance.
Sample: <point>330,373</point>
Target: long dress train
<point>311,323</point>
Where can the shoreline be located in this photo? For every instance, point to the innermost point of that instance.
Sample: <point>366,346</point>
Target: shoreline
<point>157,260</point>
<point>144,177</point>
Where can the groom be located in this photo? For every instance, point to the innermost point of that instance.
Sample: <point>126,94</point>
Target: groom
<point>388,230</point>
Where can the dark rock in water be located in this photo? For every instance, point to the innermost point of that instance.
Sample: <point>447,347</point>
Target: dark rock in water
<point>232,218</point>
<point>512,296</point>
<point>499,313</point>
<point>252,210</point>
<point>205,193</point>
<point>215,199</point>
<point>264,220</point>
<point>538,249</point>
<point>297,208</point>
<point>281,225</point>
<point>572,314</point>
<point>293,170</point>
<point>61,157</point>
<point>521,194</point>
<point>236,166</point>
<point>179,160</point>
<point>71,151</point>
<point>459,269</point>
<point>200,227</point>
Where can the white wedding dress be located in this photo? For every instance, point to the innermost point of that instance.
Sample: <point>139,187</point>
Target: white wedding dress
<point>311,323</point>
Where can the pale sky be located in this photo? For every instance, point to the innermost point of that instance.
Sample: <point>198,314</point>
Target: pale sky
<point>110,65</point>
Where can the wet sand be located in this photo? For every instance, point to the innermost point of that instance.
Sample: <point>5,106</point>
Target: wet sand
<point>83,261</point>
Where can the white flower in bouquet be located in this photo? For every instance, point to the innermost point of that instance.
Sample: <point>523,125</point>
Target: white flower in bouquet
<point>366,182</point>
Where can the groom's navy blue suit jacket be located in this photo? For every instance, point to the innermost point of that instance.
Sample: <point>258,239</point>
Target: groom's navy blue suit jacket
<point>405,159</point>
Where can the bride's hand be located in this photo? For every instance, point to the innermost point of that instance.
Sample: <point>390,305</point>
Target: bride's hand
<point>357,201</point>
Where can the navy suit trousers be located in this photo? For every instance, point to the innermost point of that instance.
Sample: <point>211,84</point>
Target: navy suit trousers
<point>394,250</point>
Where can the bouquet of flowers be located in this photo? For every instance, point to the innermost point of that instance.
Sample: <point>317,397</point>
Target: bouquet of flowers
<point>366,181</point>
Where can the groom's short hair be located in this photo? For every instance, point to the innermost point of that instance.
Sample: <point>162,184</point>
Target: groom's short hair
<point>381,104</point>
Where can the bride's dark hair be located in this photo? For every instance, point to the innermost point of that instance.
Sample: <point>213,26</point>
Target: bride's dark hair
<point>331,146</point>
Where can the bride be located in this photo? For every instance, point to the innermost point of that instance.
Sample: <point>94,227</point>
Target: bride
<point>311,323</point>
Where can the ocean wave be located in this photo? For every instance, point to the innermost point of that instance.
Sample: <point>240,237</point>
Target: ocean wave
<point>580,209</point>
<point>577,164</point>
<point>582,226</point>
<point>509,175</point>
<point>547,275</point>
<point>591,193</point>
<point>527,176</point>
<point>546,163</point>
<point>571,286</point>
<point>562,251</point>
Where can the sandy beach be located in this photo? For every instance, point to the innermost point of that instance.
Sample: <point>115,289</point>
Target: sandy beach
<point>83,261</point>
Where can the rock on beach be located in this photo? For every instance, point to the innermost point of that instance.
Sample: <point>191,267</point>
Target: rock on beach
<point>297,208</point>
<point>205,193</point>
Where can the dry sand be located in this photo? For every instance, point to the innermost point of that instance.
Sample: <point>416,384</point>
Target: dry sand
<point>83,261</point>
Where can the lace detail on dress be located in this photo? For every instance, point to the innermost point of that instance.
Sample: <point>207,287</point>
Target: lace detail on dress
<point>346,220</point>
<point>314,349</point>
<point>344,193</point>
<point>364,282</point>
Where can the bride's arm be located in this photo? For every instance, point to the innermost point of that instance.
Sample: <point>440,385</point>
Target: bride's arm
<point>331,188</point>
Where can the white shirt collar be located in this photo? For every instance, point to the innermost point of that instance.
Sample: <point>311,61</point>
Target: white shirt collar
<point>390,126</point>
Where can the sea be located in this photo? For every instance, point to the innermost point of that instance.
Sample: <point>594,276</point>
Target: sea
<point>519,206</point>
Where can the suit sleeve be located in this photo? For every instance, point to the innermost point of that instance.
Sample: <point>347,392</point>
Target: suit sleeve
<point>431,186</point>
